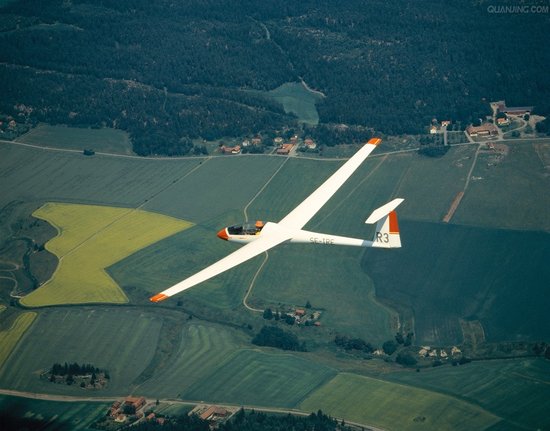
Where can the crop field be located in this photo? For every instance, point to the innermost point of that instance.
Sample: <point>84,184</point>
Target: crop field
<point>49,415</point>
<point>90,239</point>
<point>202,349</point>
<point>468,268</point>
<point>10,337</point>
<point>323,286</point>
<point>34,175</point>
<point>495,276</point>
<point>72,138</point>
<point>518,390</point>
<point>163,264</point>
<point>258,378</point>
<point>395,406</point>
<point>120,340</point>
<point>219,185</point>
<point>298,100</point>
<point>511,194</point>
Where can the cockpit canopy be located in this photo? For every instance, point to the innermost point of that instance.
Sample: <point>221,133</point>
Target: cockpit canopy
<point>246,228</point>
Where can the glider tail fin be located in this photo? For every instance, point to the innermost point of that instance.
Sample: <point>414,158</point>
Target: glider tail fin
<point>386,234</point>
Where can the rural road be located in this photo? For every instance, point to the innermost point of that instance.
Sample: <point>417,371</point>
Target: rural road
<point>73,399</point>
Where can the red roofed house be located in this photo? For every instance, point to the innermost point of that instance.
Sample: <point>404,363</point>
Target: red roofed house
<point>285,149</point>
<point>213,413</point>
<point>231,150</point>
<point>486,129</point>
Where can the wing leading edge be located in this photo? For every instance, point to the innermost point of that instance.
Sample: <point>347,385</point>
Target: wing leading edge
<point>300,215</point>
<point>243,254</point>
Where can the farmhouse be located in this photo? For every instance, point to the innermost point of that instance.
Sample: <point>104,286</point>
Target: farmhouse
<point>310,143</point>
<point>285,149</point>
<point>300,312</point>
<point>214,413</point>
<point>134,402</point>
<point>230,150</point>
<point>503,121</point>
<point>486,129</point>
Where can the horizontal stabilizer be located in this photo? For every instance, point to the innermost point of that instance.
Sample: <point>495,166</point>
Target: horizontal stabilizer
<point>383,211</point>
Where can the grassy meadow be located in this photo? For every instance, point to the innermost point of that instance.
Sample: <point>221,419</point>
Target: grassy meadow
<point>90,239</point>
<point>105,140</point>
<point>297,99</point>
<point>394,406</point>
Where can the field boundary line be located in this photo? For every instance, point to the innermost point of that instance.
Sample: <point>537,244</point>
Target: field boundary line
<point>245,210</point>
<point>251,285</point>
<point>460,195</point>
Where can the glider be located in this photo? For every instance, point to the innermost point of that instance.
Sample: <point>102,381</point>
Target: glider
<point>262,237</point>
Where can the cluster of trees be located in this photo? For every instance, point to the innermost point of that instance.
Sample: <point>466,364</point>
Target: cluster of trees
<point>274,336</point>
<point>175,423</point>
<point>250,421</point>
<point>353,344</point>
<point>258,421</point>
<point>167,72</point>
<point>543,126</point>
<point>75,369</point>
<point>277,315</point>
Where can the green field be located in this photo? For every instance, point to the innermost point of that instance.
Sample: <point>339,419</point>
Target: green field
<point>394,406</point>
<point>10,337</point>
<point>90,239</point>
<point>201,349</point>
<point>513,194</point>
<point>443,273</point>
<point>72,138</point>
<point>120,340</point>
<point>517,390</point>
<point>22,413</point>
<point>495,276</point>
<point>256,378</point>
<point>298,100</point>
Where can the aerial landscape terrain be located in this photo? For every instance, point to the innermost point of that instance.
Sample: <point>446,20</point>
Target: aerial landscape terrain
<point>131,132</point>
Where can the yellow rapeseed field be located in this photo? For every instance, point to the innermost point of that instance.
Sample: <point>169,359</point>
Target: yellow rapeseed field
<point>10,337</point>
<point>90,239</point>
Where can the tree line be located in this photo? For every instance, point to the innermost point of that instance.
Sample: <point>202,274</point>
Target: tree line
<point>274,336</point>
<point>73,369</point>
<point>169,72</point>
<point>250,421</point>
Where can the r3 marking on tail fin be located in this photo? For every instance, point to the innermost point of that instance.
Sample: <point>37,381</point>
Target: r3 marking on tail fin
<point>386,234</point>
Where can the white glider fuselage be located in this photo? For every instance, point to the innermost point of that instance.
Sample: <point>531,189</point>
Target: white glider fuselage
<point>297,236</point>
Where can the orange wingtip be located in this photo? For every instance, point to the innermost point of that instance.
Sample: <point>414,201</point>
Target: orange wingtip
<point>394,227</point>
<point>158,298</point>
<point>374,141</point>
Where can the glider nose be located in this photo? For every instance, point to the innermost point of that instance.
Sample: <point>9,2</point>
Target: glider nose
<point>222,234</point>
